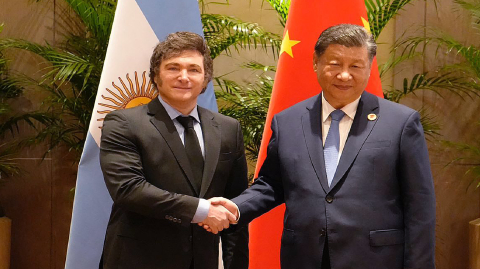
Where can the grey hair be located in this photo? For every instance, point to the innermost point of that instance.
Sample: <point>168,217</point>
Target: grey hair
<point>348,35</point>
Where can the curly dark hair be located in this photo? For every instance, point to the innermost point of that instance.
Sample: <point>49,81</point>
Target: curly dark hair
<point>174,45</point>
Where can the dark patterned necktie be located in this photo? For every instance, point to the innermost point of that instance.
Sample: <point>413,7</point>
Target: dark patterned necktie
<point>192,147</point>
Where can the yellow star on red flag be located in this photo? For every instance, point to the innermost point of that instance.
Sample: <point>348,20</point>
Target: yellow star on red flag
<point>366,24</point>
<point>287,45</point>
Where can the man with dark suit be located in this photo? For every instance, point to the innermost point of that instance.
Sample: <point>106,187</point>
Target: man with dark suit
<point>352,169</point>
<point>161,161</point>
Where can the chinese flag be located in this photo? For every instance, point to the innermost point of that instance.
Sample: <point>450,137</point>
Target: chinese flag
<point>296,81</point>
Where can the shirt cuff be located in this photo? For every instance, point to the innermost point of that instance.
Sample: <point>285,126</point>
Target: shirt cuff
<point>202,211</point>
<point>238,211</point>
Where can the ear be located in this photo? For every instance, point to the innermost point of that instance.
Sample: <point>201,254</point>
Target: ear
<point>205,85</point>
<point>315,60</point>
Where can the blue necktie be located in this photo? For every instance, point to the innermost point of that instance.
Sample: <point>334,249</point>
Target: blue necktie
<point>332,145</point>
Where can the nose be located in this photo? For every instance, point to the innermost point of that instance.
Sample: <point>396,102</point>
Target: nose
<point>183,76</point>
<point>344,75</point>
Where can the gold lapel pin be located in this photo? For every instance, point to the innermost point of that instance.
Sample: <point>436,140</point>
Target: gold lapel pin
<point>372,116</point>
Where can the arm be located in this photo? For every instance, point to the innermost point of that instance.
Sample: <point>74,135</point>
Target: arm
<point>267,190</point>
<point>418,196</point>
<point>126,182</point>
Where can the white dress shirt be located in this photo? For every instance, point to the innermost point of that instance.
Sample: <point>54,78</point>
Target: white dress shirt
<point>345,124</point>
<point>203,205</point>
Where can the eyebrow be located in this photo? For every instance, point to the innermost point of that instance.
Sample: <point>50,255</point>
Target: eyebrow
<point>177,64</point>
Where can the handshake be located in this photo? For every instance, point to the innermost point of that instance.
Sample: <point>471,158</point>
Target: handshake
<point>221,214</point>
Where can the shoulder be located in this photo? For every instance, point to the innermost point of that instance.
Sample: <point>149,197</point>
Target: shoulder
<point>301,107</point>
<point>395,109</point>
<point>127,113</point>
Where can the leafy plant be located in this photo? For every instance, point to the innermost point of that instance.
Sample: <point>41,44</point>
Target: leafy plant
<point>223,33</point>
<point>249,105</point>
<point>72,68</point>
<point>282,7</point>
<point>461,77</point>
<point>380,12</point>
<point>71,74</point>
<point>469,158</point>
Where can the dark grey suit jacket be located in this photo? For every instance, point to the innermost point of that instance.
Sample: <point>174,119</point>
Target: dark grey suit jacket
<point>379,211</point>
<point>149,178</point>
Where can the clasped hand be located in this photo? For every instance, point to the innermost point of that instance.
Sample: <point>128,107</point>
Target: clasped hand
<point>221,214</point>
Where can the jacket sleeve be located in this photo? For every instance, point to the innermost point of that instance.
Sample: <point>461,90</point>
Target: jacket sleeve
<point>267,190</point>
<point>418,196</point>
<point>235,241</point>
<point>124,176</point>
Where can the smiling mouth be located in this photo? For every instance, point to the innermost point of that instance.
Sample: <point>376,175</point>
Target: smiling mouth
<point>343,87</point>
<point>182,88</point>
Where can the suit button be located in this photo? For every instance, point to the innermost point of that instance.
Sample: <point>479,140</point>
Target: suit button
<point>167,217</point>
<point>323,232</point>
<point>179,221</point>
<point>329,199</point>
<point>190,238</point>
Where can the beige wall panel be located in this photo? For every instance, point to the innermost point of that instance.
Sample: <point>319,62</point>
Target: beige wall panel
<point>457,202</point>
<point>63,180</point>
<point>384,46</point>
<point>249,10</point>
<point>39,202</point>
<point>33,200</point>
<point>26,199</point>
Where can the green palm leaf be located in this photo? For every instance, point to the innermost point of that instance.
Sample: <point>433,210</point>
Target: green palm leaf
<point>8,163</point>
<point>469,157</point>
<point>224,32</point>
<point>64,65</point>
<point>96,15</point>
<point>380,12</point>
<point>437,82</point>
<point>474,9</point>
<point>430,125</point>
<point>445,44</point>
<point>282,7</point>
<point>249,105</point>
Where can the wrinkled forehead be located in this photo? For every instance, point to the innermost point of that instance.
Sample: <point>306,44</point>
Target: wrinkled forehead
<point>338,51</point>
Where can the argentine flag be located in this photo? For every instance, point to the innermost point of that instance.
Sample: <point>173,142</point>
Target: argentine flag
<point>137,28</point>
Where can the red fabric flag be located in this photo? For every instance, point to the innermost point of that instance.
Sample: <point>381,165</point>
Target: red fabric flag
<point>296,81</point>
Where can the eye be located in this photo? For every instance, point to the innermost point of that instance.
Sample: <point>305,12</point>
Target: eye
<point>172,68</point>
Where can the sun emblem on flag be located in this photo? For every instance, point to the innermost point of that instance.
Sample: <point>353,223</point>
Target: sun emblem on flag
<point>128,95</point>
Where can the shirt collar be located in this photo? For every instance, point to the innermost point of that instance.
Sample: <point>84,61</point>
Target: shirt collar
<point>173,113</point>
<point>350,109</point>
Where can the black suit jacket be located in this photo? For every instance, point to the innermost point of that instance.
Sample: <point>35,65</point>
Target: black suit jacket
<point>148,175</point>
<point>379,211</point>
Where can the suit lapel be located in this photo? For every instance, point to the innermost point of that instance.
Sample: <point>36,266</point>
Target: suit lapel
<point>359,132</point>
<point>312,131</point>
<point>212,141</point>
<point>165,126</point>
